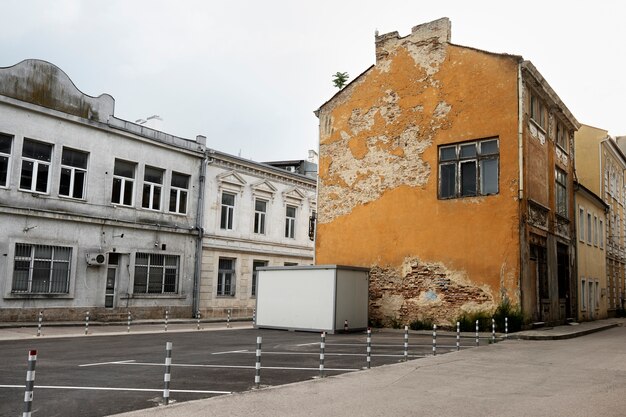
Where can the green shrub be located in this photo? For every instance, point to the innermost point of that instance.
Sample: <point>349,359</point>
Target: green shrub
<point>425,324</point>
<point>395,323</point>
<point>468,321</point>
<point>504,310</point>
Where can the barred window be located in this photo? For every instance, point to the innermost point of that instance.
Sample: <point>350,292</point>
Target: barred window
<point>41,269</point>
<point>156,274</point>
<point>226,277</point>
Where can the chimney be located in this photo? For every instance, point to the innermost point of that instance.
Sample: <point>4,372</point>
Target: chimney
<point>437,31</point>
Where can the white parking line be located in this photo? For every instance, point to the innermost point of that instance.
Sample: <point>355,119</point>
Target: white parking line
<point>107,363</point>
<point>317,354</point>
<point>280,368</point>
<point>117,389</point>
<point>230,351</point>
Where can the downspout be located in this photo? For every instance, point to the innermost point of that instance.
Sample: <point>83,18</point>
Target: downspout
<point>520,189</point>
<point>200,229</point>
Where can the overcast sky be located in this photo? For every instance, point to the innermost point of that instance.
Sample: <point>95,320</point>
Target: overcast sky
<point>249,74</point>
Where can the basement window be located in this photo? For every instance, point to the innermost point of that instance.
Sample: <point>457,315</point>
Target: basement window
<point>469,169</point>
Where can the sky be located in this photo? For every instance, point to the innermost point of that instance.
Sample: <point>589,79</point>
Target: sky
<point>248,74</point>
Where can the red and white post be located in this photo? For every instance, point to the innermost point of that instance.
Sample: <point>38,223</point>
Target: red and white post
<point>30,383</point>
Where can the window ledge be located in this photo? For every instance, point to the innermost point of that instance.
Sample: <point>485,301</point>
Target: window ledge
<point>37,296</point>
<point>154,296</point>
<point>225,296</point>
<point>537,125</point>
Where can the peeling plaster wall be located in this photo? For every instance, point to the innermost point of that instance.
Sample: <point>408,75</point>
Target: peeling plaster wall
<point>378,204</point>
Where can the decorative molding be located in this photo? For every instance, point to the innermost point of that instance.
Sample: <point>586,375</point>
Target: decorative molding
<point>537,215</point>
<point>232,181</point>
<point>264,189</point>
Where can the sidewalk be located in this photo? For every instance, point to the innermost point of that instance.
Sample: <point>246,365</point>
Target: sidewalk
<point>513,378</point>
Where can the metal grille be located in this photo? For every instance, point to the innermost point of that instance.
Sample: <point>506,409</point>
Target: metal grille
<point>156,274</point>
<point>41,269</point>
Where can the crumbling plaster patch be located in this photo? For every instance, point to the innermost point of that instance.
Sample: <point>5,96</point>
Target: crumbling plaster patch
<point>421,290</point>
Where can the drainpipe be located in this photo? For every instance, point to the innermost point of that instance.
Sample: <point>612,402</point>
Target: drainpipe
<point>520,130</point>
<point>199,228</point>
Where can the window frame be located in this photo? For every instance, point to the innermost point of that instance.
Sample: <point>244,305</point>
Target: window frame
<point>227,211</point>
<point>589,230</point>
<point>179,194</point>
<point>581,223</point>
<point>478,159</point>
<point>560,193</point>
<point>537,111</point>
<point>73,171</point>
<point>226,275</point>
<point>7,157</point>
<point>260,217</point>
<point>561,136</point>
<point>256,263</point>
<point>36,165</point>
<point>33,260</point>
<point>290,221</point>
<point>154,201</point>
<point>151,265</point>
<point>601,234</point>
<point>124,181</point>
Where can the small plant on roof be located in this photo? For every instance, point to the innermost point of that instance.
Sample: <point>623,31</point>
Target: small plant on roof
<point>340,79</point>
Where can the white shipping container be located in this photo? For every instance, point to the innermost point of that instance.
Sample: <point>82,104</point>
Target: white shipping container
<point>312,298</point>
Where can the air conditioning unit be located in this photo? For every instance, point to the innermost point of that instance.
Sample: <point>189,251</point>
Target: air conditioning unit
<point>95,258</point>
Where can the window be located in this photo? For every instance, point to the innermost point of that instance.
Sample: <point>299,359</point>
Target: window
<point>260,208</point>
<point>178,193</point>
<point>41,269</point>
<point>156,273</point>
<point>73,173</point>
<point>561,136</point>
<point>583,297</point>
<point>36,158</point>
<point>256,265</point>
<point>595,230</point>
<point>561,193</point>
<point>5,157</point>
<point>228,209</point>
<point>123,183</point>
<point>581,224</point>
<point>601,234</point>
<point>226,277</point>
<point>469,169</point>
<point>290,264</point>
<point>152,185</point>
<point>290,222</point>
<point>589,228</point>
<point>537,111</point>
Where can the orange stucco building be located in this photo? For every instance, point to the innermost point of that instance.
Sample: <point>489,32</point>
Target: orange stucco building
<point>448,172</point>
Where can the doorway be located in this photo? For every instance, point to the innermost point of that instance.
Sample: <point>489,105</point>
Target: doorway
<point>109,292</point>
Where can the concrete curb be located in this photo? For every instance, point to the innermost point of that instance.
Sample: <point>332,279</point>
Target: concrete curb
<point>562,336</point>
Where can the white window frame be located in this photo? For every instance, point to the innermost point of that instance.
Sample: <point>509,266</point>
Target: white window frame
<point>7,157</point>
<point>601,234</point>
<point>595,230</point>
<point>581,223</point>
<point>125,182</point>
<point>179,195</point>
<point>290,221</point>
<point>227,211</point>
<point>73,173</point>
<point>589,231</point>
<point>260,217</point>
<point>37,163</point>
<point>154,201</point>
<point>36,262</point>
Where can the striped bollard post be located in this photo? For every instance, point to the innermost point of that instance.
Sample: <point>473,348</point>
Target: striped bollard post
<point>369,348</point>
<point>257,366</point>
<point>198,316</point>
<point>345,326</point>
<point>458,336</point>
<point>86,323</point>
<point>228,319</point>
<point>493,330</point>
<point>168,376</point>
<point>322,348</point>
<point>506,327</point>
<point>434,339</point>
<point>167,316</point>
<point>477,338</point>
<point>406,343</point>
<point>254,316</point>
<point>128,323</point>
<point>30,383</point>
<point>39,323</point>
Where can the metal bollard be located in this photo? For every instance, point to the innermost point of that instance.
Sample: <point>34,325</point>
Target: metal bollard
<point>167,316</point>
<point>493,330</point>
<point>254,316</point>
<point>167,377</point>
<point>345,326</point>
<point>228,319</point>
<point>458,336</point>
<point>86,323</point>
<point>322,348</point>
<point>30,383</point>
<point>39,323</point>
<point>369,347</point>
<point>406,343</point>
<point>434,339</point>
<point>257,366</point>
<point>128,324</point>
<point>477,338</point>
<point>198,316</point>
<point>506,327</point>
